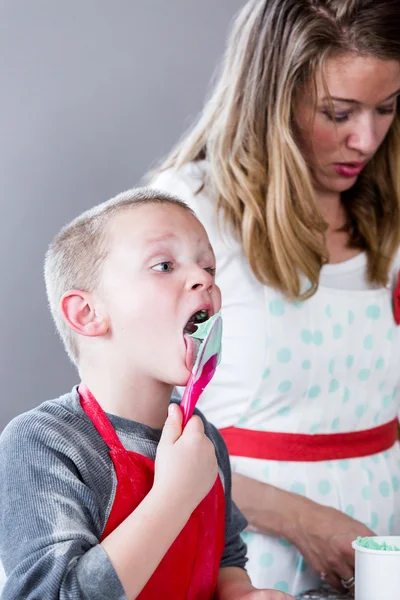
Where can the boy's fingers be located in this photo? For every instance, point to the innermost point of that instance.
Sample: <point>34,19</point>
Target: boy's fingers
<point>195,424</point>
<point>172,429</point>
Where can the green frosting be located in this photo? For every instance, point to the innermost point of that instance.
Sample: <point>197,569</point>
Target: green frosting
<point>368,542</point>
<point>203,328</point>
<point>212,335</point>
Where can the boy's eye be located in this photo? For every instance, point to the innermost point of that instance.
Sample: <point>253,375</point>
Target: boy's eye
<point>164,267</point>
<point>211,270</point>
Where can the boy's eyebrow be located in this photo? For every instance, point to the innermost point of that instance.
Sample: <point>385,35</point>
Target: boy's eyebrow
<point>165,237</point>
<point>350,101</point>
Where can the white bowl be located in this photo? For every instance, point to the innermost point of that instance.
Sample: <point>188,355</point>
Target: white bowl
<point>377,572</point>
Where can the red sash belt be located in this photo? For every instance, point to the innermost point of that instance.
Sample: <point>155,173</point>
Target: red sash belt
<point>298,447</point>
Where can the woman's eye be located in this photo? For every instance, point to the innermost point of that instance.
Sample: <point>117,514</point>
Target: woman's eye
<point>388,110</point>
<point>336,117</point>
<point>163,267</point>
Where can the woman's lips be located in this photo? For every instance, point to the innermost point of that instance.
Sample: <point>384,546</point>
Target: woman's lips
<point>348,169</point>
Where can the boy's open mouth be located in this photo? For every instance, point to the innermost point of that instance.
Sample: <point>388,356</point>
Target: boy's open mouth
<point>198,317</point>
<point>193,344</point>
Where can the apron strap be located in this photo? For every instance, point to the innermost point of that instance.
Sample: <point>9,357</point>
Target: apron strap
<point>99,418</point>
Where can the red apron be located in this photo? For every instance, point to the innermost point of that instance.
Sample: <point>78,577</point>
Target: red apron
<point>190,568</point>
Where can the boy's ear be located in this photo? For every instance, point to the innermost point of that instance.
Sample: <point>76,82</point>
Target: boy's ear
<point>78,310</point>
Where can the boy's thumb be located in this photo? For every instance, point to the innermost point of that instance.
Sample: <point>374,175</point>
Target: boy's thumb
<point>173,425</point>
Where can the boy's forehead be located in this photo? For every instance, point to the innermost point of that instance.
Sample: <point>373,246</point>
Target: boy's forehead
<point>148,224</point>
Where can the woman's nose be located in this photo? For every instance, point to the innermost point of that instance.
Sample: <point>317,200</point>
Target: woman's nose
<point>363,138</point>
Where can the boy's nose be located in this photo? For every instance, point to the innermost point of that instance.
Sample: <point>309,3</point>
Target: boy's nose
<point>201,278</point>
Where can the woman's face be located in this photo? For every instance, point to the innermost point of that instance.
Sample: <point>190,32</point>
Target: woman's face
<point>337,145</point>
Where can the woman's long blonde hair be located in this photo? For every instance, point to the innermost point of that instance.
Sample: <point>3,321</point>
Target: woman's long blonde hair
<point>257,172</point>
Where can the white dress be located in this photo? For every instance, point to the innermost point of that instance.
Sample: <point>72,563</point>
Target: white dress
<point>327,365</point>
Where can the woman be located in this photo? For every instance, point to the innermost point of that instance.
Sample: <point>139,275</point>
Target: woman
<point>293,170</point>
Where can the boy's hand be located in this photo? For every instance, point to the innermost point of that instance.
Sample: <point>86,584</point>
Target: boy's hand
<point>186,466</point>
<point>234,584</point>
<point>266,595</point>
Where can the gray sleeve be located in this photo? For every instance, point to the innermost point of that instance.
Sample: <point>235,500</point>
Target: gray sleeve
<point>49,522</point>
<point>235,549</point>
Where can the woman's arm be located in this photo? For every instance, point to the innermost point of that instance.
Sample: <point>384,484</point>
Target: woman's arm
<point>322,534</point>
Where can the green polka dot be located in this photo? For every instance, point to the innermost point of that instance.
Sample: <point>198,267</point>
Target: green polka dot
<point>368,342</point>
<point>285,386</point>
<point>297,304</point>
<point>266,373</point>
<point>281,586</point>
<point>364,374</point>
<point>366,492</point>
<point>324,487</point>
<point>247,537</point>
<point>350,510</point>
<point>318,338</point>
<point>349,361</point>
<point>335,424</point>
<point>266,560</point>
<point>337,332</point>
<point>298,488</point>
<point>361,409</point>
<point>283,542</point>
<point>387,401</point>
<point>314,391</point>
<point>370,475</point>
<point>381,386</point>
<point>380,363</point>
<point>243,421</point>
<point>306,336</point>
<point>277,308</point>
<point>256,403</point>
<point>285,411</point>
<point>329,464</point>
<point>266,472</point>
<point>328,311</point>
<point>396,483</point>
<point>391,524</point>
<point>373,312</point>
<point>351,317</point>
<point>344,464</point>
<point>374,520</point>
<point>346,395</point>
<point>376,418</point>
<point>375,459</point>
<point>390,334</point>
<point>301,566</point>
<point>306,364</point>
<point>331,367</point>
<point>314,429</point>
<point>333,386</point>
<point>284,355</point>
<point>384,489</point>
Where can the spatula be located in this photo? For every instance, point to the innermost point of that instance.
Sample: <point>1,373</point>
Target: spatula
<point>208,357</point>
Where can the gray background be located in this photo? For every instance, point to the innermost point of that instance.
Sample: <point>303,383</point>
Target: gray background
<point>92,93</point>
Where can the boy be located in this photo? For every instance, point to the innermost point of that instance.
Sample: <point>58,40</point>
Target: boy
<point>85,512</point>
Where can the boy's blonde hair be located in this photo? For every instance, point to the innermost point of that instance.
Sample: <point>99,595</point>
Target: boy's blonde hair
<point>76,254</point>
<point>258,173</point>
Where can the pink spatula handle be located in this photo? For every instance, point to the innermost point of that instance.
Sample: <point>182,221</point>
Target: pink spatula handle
<point>195,387</point>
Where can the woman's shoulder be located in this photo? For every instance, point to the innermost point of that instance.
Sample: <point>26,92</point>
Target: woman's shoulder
<point>395,270</point>
<point>188,183</point>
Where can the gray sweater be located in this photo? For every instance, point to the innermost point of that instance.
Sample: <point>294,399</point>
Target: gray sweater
<point>57,486</point>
